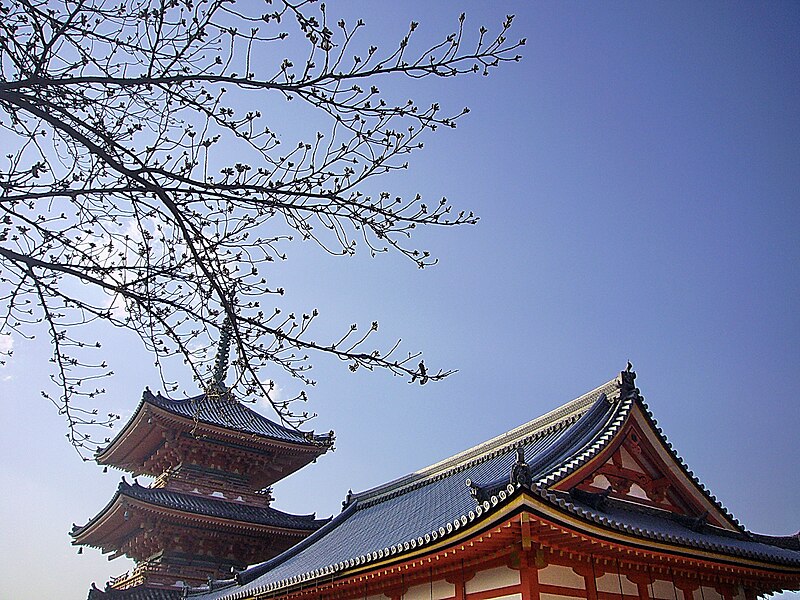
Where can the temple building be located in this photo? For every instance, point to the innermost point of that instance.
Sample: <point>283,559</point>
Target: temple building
<point>589,501</point>
<point>208,510</point>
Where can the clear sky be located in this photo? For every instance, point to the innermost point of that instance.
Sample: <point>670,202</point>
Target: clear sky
<point>638,181</point>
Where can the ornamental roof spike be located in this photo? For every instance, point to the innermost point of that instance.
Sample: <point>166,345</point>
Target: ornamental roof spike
<point>520,470</point>
<point>223,353</point>
<point>626,383</point>
<point>348,499</point>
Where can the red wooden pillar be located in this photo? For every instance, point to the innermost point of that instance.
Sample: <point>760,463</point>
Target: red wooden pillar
<point>459,580</point>
<point>687,587</point>
<point>530,561</point>
<point>726,591</point>
<point>589,574</point>
<point>642,581</point>
<point>529,576</point>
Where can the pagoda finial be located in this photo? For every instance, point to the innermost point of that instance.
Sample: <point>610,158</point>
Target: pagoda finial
<point>223,353</point>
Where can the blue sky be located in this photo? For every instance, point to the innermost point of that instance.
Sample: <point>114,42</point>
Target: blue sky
<point>638,181</point>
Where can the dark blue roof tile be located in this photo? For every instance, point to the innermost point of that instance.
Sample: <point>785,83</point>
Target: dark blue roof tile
<point>653,525</point>
<point>225,411</point>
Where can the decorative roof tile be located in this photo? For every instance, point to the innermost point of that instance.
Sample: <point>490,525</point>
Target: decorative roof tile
<point>225,411</point>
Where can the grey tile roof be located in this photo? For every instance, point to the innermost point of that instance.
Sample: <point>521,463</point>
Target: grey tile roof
<point>134,593</point>
<point>213,507</point>
<point>230,413</point>
<point>434,503</point>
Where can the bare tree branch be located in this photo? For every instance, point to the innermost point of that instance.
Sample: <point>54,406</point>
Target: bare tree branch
<point>120,203</point>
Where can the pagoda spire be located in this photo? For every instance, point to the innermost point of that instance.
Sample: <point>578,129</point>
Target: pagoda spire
<point>223,354</point>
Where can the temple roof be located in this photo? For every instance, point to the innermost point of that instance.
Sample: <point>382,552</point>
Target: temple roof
<point>135,593</point>
<point>189,503</point>
<point>430,506</point>
<point>229,413</point>
<point>207,416</point>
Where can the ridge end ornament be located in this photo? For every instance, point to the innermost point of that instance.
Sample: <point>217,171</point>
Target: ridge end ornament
<point>626,382</point>
<point>520,471</point>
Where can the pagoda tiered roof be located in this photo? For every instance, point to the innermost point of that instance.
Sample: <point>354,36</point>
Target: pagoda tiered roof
<point>596,475</point>
<point>226,412</point>
<point>115,526</point>
<point>208,510</point>
<point>215,420</point>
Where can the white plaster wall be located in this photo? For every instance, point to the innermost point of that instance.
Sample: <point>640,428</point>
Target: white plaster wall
<point>664,590</point>
<point>738,593</point>
<point>610,582</point>
<point>560,575</point>
<point>628,461</point>
<point>601,482</point>
<point>440,589</point>
<point>637,491</point>
<point>492,579</point>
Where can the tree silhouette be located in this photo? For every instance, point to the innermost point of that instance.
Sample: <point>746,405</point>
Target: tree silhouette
<point>144,186</point>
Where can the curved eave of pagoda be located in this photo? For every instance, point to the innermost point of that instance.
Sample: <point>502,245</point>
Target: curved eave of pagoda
<point>536,517</point>
<point>122,518</point>
<point>101,531</point>
<point>150,425</point>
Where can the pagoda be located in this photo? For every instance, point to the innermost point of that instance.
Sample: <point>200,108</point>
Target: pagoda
<point>207,512</point>
<point>588,502</point>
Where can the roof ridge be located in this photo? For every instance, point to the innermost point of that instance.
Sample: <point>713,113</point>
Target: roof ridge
<point>557,417</point>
